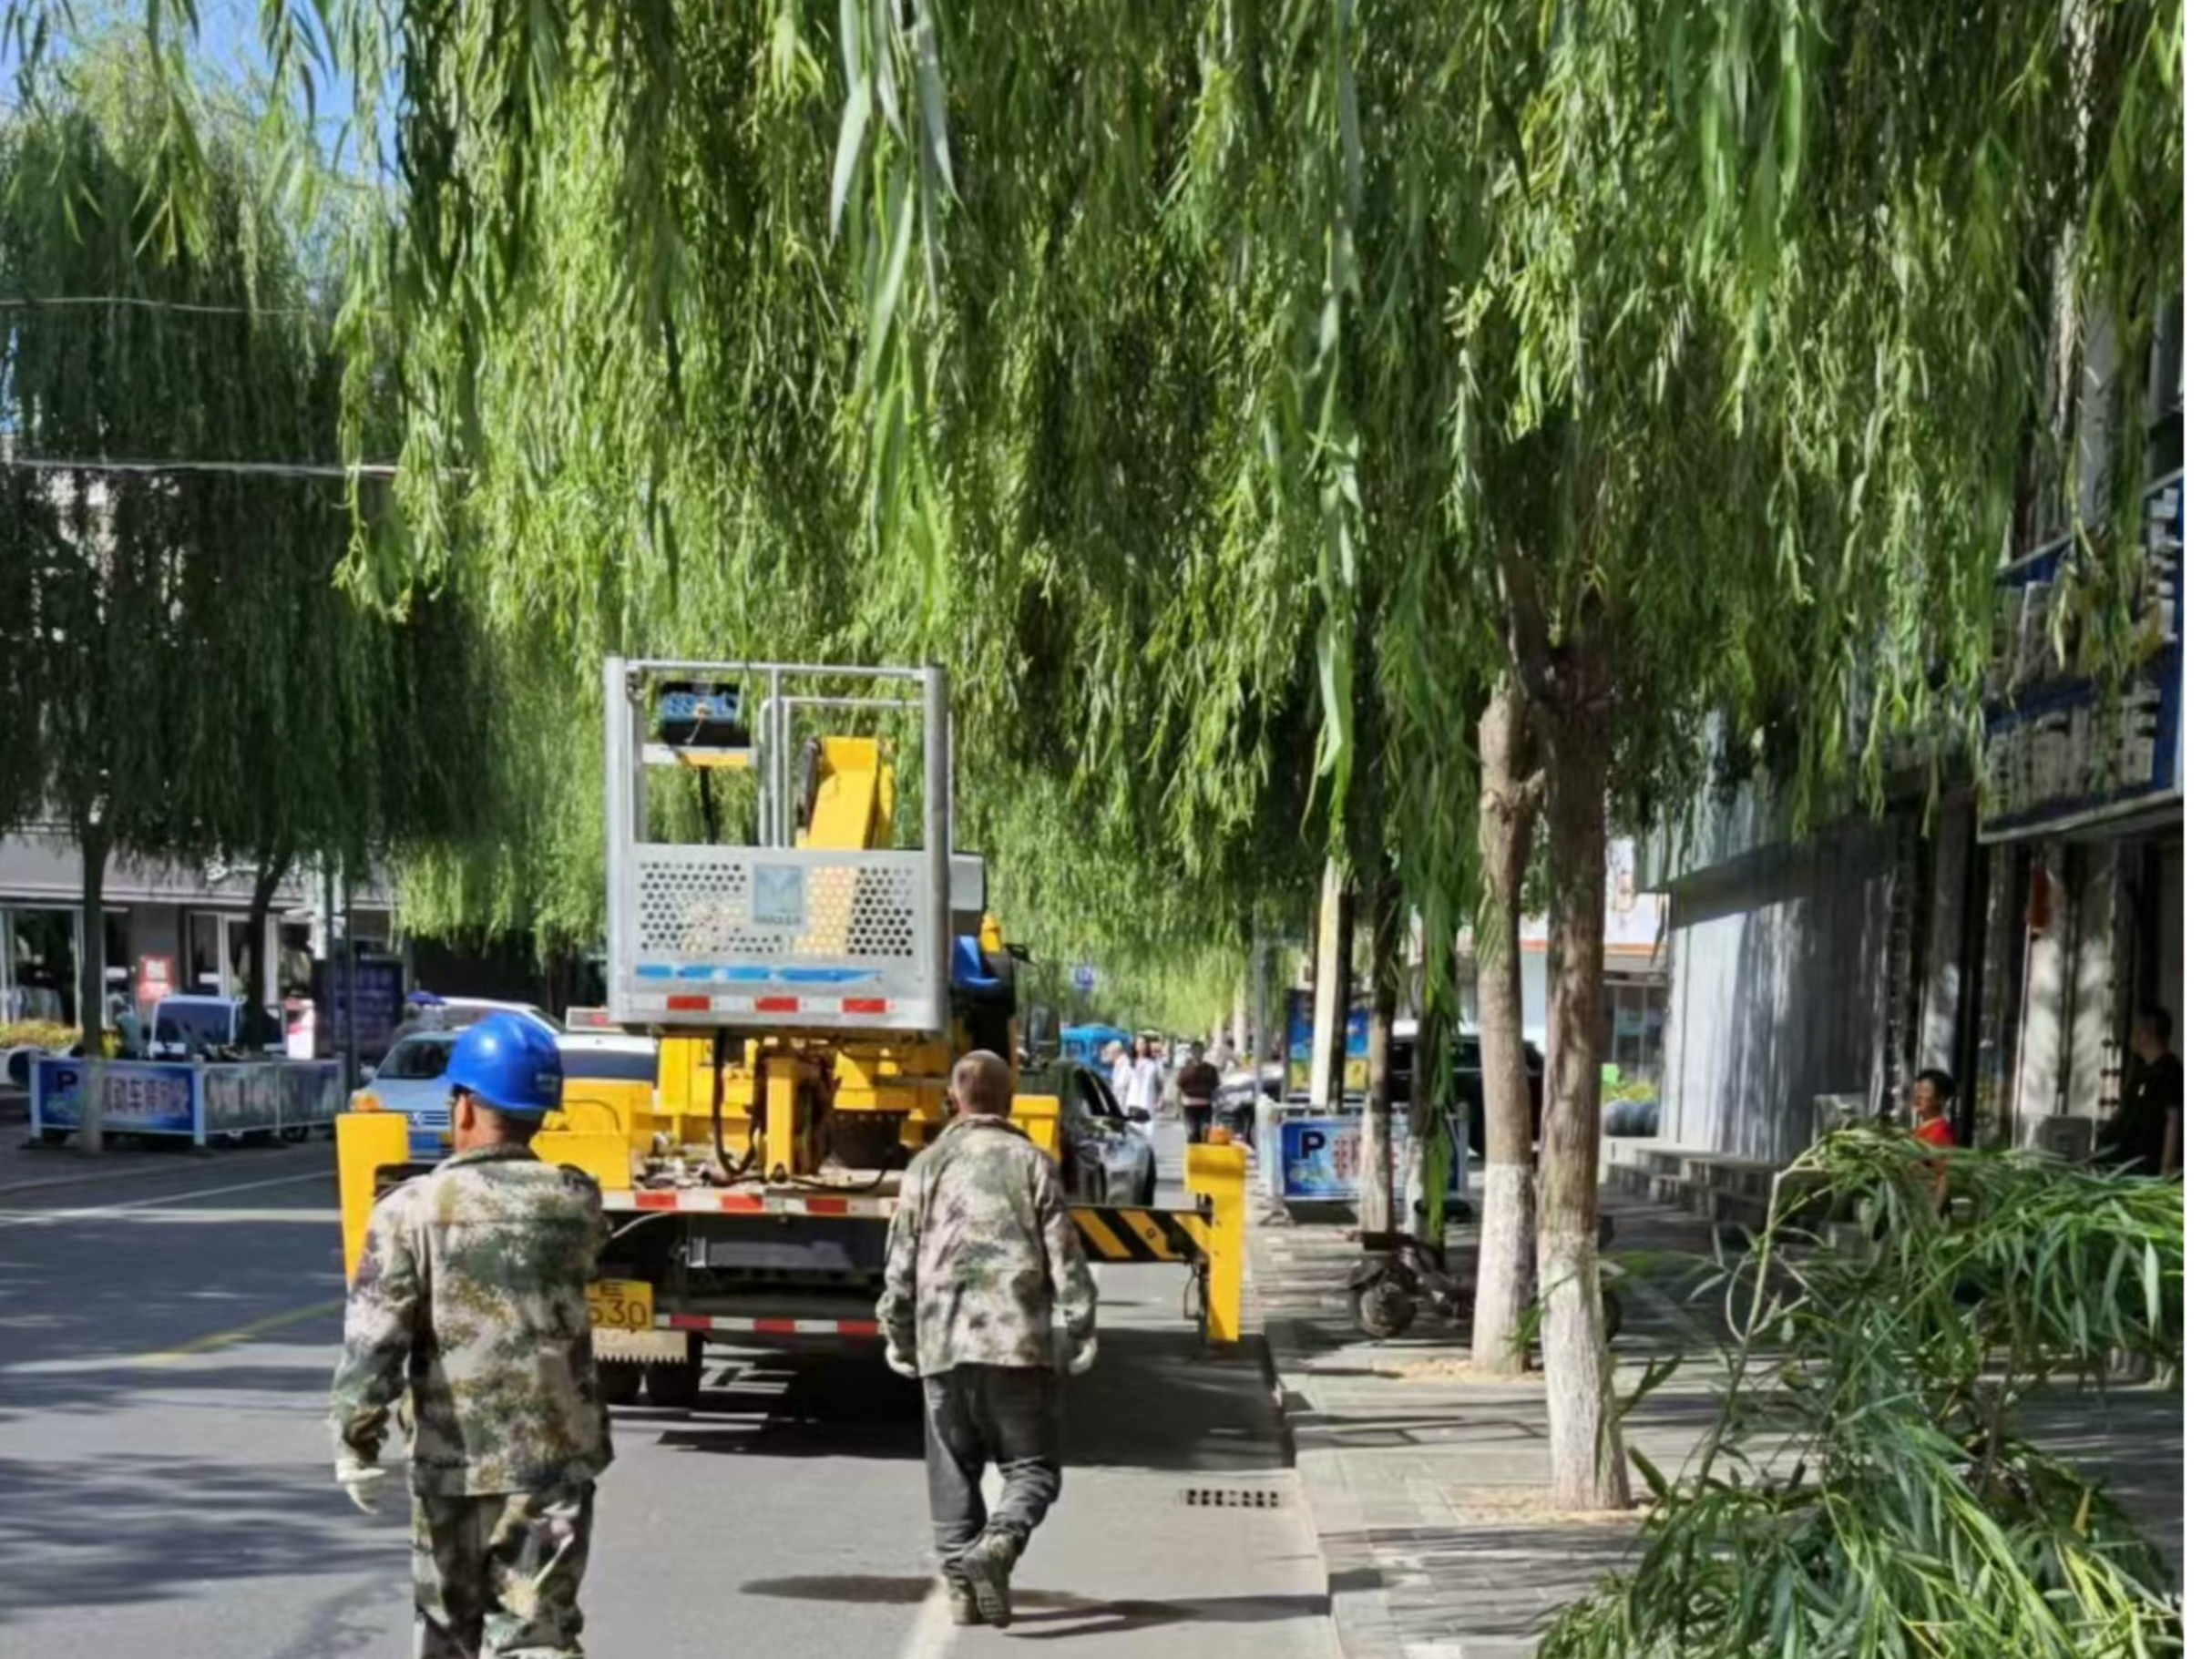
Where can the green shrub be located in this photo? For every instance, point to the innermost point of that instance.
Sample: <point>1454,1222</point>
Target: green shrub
<point>37,1033</point>
<point>1636,1089</point>
<point>1865,1489</point>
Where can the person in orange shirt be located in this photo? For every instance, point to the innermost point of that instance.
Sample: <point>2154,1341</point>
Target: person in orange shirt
<point>1933,1092</point>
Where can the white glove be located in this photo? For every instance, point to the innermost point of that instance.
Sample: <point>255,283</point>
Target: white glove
<point>902,1363</point>
<point>1079,1357</point>
<point>364,1483</point>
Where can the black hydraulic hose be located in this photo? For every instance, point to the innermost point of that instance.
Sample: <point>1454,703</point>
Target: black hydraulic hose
<point>723,1170</point>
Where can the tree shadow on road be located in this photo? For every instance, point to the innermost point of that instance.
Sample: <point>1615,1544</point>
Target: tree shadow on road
<point>1048,1615</point>
<point>1156,1401</point>
<point>107,1531</point>
<point>1063,1615</point>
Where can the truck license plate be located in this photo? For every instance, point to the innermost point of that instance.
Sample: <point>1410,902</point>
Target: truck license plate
<point>621,1305</point>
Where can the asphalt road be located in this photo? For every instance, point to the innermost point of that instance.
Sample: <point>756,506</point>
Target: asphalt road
<point>165,1345</point>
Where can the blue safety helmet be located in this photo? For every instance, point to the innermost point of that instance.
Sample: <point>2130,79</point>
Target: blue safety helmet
<point>510,1063</point>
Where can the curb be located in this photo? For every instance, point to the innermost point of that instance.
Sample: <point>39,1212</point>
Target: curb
<point>1358,1601</point>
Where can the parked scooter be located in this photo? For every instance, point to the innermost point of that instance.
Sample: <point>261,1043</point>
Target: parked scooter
<point>1401,1274</point>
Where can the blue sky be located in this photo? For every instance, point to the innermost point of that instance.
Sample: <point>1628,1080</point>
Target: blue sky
<point>230,44</point>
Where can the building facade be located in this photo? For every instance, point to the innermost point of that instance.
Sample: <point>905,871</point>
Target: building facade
<point>2007,933</point>
<point>165,927</point>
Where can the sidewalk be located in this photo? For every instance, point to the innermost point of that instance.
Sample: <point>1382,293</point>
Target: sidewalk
<point>26,1168</point>
<point>1428,1490</point>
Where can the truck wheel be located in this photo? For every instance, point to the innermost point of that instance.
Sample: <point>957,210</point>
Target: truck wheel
<point>619,1380</point>
<point>675,1387</point>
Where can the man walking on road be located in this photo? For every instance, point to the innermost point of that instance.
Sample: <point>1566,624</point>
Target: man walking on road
<point>982,1252</point>
<point>470,1299</point>
<point>1197,1085</point>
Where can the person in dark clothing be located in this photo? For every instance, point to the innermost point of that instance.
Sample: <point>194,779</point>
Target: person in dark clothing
<point>1197,1083</point>
<point>988,1300</point>
<point>2146,1132</point>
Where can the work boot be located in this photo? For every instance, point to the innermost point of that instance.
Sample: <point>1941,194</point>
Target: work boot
<point>960,1597</point>
<point>989,1567</point>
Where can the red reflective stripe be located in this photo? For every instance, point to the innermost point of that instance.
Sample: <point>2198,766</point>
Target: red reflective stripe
<point>828,1207</point>
<point>690,1005</point>
<point>775,1005</point>
<point>866,1005</point>
<point>690,1322</point>
<point>776,1327</point>
<point>656,1200</point>
<point>742,1204</point>
<point>856,1327</point>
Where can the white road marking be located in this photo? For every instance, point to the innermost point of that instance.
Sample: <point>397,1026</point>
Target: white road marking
<point>930,1637</point>
<point>28,1218</point>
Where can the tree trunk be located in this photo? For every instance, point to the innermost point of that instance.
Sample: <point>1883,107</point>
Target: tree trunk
<point>1429,1103</point>
<point>1587,1467</point>
<point>1504,1288</point>
<point>1378,1175</point>
<point>91,974</point>
<point>1332,984</point>
<point>254,1028</point>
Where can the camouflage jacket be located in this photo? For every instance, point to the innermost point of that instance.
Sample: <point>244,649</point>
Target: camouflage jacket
<point>981,1252</point>
<point>470,1299</point>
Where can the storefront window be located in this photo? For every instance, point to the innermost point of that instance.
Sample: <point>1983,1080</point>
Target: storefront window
<point>115,946</point>
<point>1636,1011</point>
<point>295,959</point>
<point>38,976</point>
<point>238,961</point>
<point>203,954</point>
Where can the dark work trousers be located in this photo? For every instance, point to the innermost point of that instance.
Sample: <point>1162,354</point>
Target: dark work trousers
<point>1197,1118</point>
<point>976,1415</point>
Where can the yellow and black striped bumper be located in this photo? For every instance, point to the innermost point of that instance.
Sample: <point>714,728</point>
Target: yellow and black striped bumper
<point>1126,1234</point>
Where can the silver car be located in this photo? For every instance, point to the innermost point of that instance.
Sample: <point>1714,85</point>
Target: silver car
<point>1106,1157</point>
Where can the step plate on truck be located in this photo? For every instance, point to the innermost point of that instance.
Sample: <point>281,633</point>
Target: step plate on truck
<point>662,1347</point>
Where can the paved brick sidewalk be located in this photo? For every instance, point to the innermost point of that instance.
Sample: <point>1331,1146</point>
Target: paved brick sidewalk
<point>1427,1488</point>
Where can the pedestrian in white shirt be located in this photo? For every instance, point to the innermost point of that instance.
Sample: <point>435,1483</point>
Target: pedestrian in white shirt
<point>1120,1070</point>
<point>1146,1082</point>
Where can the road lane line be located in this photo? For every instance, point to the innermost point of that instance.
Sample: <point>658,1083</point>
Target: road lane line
<point>27,1218</point>
<point>235,1335</point>
<point>930,1637</point>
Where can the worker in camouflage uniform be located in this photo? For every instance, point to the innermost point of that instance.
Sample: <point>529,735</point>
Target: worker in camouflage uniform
<point>470,1300</point>
<point>982,1253</point>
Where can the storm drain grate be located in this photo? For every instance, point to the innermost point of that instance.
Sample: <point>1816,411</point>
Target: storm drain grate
<point>1231,1498</point>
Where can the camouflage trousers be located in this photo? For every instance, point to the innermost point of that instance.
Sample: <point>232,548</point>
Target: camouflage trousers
<point>498,1577</point>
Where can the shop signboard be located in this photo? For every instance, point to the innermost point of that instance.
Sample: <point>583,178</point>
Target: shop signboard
<point>379,985</point>
<point>157,978</point>
<point>1319,1156</point>
<point>186,1098</point>
<point>2062,750</point>
<point>135,1097</point>
<point>1298,1022</point>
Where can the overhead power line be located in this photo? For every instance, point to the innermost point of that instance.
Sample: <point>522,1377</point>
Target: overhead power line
<point>274,469</point>
<point>42,302</point>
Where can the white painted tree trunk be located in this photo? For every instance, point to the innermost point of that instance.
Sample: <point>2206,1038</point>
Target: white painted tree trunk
<point>1504,1285</point>
<point>1377,1173</point>
<point>1588,1469</point>
<point>1331,961</point>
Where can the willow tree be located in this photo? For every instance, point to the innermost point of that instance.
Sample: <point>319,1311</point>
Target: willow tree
<point>186,679</point>
<point>1232,392</point>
